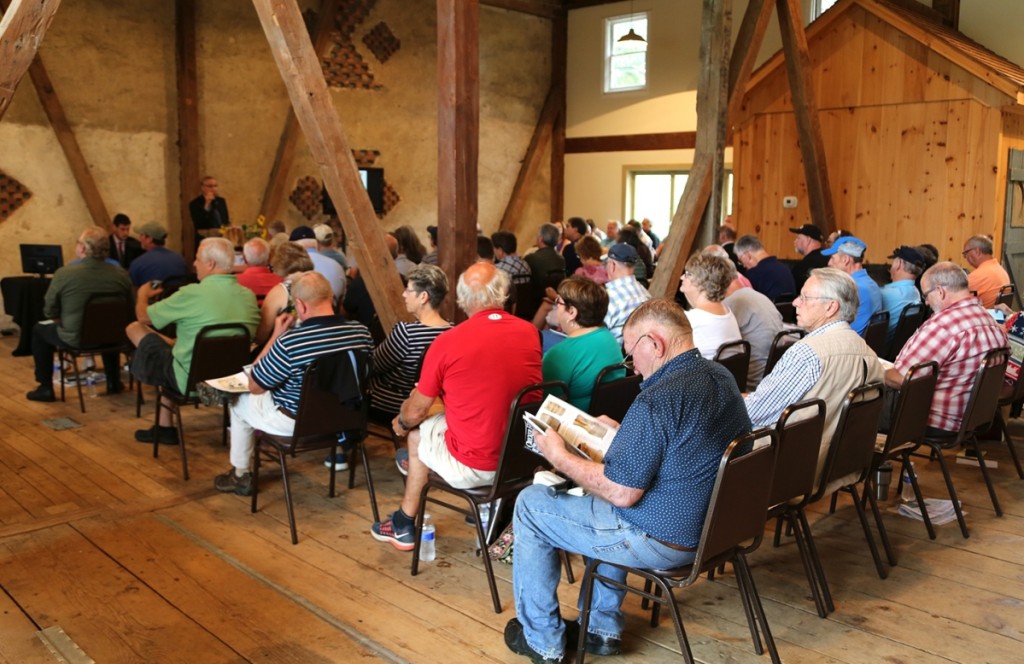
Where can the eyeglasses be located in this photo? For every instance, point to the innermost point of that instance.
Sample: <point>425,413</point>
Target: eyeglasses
<point>629,355</point>
<point>559,302</point>
<point>924,296</point>
<point>803,298</point>
<point>967,251</point>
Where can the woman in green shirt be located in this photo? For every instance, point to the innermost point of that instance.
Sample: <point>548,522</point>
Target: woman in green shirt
<point>589,347</point>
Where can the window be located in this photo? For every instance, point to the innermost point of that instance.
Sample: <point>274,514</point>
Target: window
<point>655,195</point>
<point>819,6</point>
<point>625,61</point>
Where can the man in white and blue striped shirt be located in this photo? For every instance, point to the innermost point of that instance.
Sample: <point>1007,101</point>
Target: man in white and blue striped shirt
<point>275,383</point>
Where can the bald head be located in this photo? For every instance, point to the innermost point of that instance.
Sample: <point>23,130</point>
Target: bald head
<point>482,286</point>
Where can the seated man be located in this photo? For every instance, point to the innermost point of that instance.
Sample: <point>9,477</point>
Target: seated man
<point>907,266</point>
<point>158,263</point>
<point>826,364</point>
<point>257,275</point>
<point>275,383</point>
<point>625,293</point>
<point>957,336</point>
<point>217,298</point>
<point>767,274</point>
<point>759,320</point>
<point>645,505</point>
<point>463,443</point>
<point>332,271</point>
<point>988,276</point>
<point>847,254</point>
<point>65,301</point>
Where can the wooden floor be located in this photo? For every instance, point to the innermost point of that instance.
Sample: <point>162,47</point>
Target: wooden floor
<point>134,564</point>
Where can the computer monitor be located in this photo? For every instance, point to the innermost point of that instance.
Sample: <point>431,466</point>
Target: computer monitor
<point>373,181</point>
<point>41,258</point>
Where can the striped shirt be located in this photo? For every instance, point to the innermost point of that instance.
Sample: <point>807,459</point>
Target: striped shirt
<point>397,362</point>
<point>624,295</point>
<point>515,267</point>
<point>281,369</point>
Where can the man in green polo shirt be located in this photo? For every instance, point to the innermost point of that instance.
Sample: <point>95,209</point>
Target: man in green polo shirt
<point>217,298</point>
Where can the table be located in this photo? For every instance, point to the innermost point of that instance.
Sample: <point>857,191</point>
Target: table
<point>23,301</point>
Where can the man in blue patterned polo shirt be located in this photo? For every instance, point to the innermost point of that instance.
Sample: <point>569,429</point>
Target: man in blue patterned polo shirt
<point>275,382</point>
<point>645,505</point>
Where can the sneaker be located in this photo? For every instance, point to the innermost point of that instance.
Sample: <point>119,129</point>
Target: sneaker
<point>403,540</point>
<point>515,639</point>
<point>602,646</point>
<point>229,482</point>
<point>167,435</point>
<point>402,460</point>
<point>41,393</point>
<point>339,460</point>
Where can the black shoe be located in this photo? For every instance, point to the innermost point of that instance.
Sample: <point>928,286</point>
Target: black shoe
<point>116,387</point>
<point>41,393</point>
<point>167,435</point>
<point>602,646</point>
<point>229,482</point>
<point>516,642</point>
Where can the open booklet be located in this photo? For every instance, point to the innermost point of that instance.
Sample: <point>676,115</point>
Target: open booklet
<point>234,383</point>
<point>583,433</point>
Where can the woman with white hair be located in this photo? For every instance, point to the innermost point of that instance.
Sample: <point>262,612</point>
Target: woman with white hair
<point>705,283</point>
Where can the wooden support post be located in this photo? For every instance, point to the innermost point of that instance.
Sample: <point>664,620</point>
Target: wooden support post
<point>531,164</point>
<point>304,79</point>
<point>188,118</point>
<point>277,182</point>
<point>805,108</point>
<point>719,93</point>
<point>21,31</point>
<point>458,136</point>
<point>711,105</point>
<point>559,46</point>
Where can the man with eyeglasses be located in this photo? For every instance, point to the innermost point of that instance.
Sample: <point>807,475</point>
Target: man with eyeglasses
<point>988,276</point>
<point>645,504</point>
<point>826,364</point>
<point>957,336</point>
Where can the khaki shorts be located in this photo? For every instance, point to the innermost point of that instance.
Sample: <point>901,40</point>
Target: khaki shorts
<point>433,452</point>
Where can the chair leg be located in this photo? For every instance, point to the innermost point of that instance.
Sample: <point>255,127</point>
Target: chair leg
<point>832,504</point>
<point>985,474</point>
<point>365,460</point>
<point>418,530</point>
<point>875,556</point>
<point>138,399</point>
<point>755,601</point>
<point>482,537</point>
<point>333,473</point>
<point>883,534</point>
<point>808,565</point>
<point>60,360</point>
<point>918,495</point>
<point>826,594</point>
<point>156,423</point>
<point>1009,443</point>
<point>255,474</point>
<point>570,577</point>
<point>777,541</point>
<point>748,611</point>
<point>288,495</point>
<point>937,453</point>
<point>176,414</point>
<point>587,592</point>
<point>225,423</point>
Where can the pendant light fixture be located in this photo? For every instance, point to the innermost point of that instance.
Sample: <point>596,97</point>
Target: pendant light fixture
<point>631,36</point>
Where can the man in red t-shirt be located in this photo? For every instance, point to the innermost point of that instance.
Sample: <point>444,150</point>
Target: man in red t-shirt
<point>463,443</point>
<point>257,275</point>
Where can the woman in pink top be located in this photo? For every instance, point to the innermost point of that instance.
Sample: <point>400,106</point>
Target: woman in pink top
<point>589,250</point>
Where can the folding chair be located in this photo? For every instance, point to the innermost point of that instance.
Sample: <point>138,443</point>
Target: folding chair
<point>874,333</point>
<point>910,319</point>
<point>1009,395</point>
<point>780,344</point>
<point>735,356</point>
<point>614,397</point>
<point>1006,294</point>
<point>103,332</point>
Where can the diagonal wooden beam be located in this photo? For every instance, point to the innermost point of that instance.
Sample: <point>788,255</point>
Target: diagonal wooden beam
<point>531,163</point>
<point>188,117</point>
<point>458,135</point>
<point>21,31</point>
<point>805,108</point>
<point>277,181</point>
<point>304,79</point>
<point>559,58</point>
<point>66,137</point>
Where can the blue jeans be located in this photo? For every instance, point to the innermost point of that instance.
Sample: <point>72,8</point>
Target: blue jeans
<point>588,526</point>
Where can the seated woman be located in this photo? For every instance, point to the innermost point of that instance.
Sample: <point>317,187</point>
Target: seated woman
<point>704,283</point>
<point>589,250</point>
<point>287,260</point>
<point>589,347</point>
<point>397,360</point>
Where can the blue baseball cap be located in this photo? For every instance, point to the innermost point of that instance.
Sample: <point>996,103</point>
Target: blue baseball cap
<point>849,245</point>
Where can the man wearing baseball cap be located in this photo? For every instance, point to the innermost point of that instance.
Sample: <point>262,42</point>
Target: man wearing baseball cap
<point>158,263</point>
<point>907,266</point>
<point>624,292</point>
<point>808,244</point>
<point>847,254</point>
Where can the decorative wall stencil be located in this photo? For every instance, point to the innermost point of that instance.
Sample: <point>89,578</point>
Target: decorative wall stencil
<point>382,42</point>
<point>365,158</point>
<point>307,196</point>
<point>13,195</point>
<point>343,66</point>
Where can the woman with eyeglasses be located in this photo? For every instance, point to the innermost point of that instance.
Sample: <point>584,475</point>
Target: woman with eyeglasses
<point>589,347</point>
<point>705,283</point>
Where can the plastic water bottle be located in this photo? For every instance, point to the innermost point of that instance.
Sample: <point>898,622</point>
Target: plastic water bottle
<point>90,384</point>
<point>907,491</point>
<point>428,548</point>
<point>485,517</point>
<point>56,369</point>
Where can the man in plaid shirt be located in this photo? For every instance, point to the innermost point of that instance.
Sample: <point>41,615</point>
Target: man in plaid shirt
<point>957,336</point>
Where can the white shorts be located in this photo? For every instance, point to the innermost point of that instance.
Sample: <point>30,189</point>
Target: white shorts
<point>434,454</point>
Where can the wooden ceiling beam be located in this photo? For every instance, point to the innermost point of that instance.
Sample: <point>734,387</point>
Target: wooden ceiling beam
<point>542,8</point>
<point>21,31</point>
<point>188,117</point>
<point>303,77</point>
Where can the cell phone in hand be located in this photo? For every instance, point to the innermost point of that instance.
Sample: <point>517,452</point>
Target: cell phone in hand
<point>156,283</point>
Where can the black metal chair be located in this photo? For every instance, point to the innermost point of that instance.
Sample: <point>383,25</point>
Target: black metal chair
<point>1009,395</point>
<point>516,468</point>
<point>1006,294</point>
<point>874,333</point>
<point>978,416</point>
<point>318,423</point>
<point>733,527</point>
<point>910,319</point>
<point>104,320</point>
<point>787,310</point>
<point>780,344</point>
<point>614,397</point>
<point>219,350</point>
<point>735,356</point>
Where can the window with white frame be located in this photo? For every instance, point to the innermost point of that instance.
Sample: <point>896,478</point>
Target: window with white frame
<point>654,195</point>
<point>819,6</point>
<point>625,63</point>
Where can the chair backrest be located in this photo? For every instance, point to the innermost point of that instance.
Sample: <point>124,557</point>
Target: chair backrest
<point>739,501</point>
<point>320,414</point>
<point>910,319</point>
<point>377,330</point>
<point>614,397</point>
<point>219,350</point>
<point>910,416</point>
<point>780,344</point>
<point>104,321</point>
<point>787,311</point>
<point>735,356</point>
<point>524,300</point>
<point>517,464</point>
<point>799,431</point>
<point>1006,294</point>
<point>853,443</point>
<point>984,399</point>
<point>874,333</point>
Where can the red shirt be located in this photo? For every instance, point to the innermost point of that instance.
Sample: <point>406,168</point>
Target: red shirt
<point>477,368</point>
<point>957,338</point>
<point>259,280</point>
